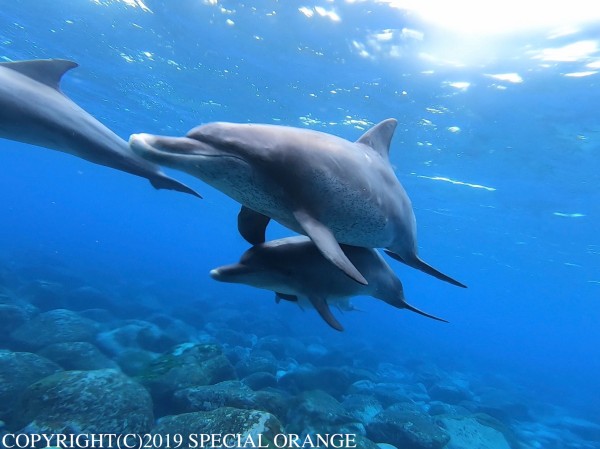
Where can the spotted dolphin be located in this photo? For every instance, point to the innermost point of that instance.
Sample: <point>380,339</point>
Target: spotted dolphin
<point>34,110</point>
<point>328,188</point>
<point>295,270</point>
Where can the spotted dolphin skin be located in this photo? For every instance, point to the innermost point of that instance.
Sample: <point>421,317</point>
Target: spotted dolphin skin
<point>328,188</point>
<point>33,110</point>
<point>295,270</point>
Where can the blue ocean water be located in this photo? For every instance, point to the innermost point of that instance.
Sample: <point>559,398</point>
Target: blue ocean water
<point>497,146</point>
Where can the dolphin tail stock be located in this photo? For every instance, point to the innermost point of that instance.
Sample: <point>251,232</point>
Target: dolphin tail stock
<point>419,264</point>
<point>329,247</point>
<point>167,183</point>
<point>407,306</point>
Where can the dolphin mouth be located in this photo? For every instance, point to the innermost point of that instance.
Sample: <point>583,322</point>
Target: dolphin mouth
<point>149,145</point>
<point>145,144</point>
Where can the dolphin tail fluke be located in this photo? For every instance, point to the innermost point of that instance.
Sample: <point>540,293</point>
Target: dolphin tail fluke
<point>420,312</point>
<point>419,264</point>
<point>164,182</point>
<point>325,241</point>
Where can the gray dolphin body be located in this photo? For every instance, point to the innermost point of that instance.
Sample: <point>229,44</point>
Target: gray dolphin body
<point>333,190</point>
<point>33,110</point>
<point>294,268</point>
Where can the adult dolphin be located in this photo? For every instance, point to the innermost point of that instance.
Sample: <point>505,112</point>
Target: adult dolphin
<point>317,184</point>
<point>295,270</point>
<point>33,110</point>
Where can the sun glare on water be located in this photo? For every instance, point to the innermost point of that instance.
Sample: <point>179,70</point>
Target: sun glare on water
<point>486,17</point>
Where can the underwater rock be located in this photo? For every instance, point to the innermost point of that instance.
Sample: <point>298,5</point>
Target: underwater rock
<point>187,365</point>
<point>87,297</point>
<point>385,446</point>
<point>449,393</point>
<point>77,355</point>
<point>441,408</point>
<point>137,334</point>
<point>134,362</point>
<point>261,380</point>
<point>407,427</point>
<point>235,338</point>
<point>11,317</point>
<point>583,428</point>
<point>362,442</point>
<point>18,370</point>
<point>334,380</point>
<point>362,407</point>
<point>45,295</point>
<point>386,393</point>
<point>54,326</point>
<point>257,361</point>
<point>98,315</point>
<point>500,405</point>
<point>225,420</point>
<point>280,347</point>
<point>102,401</point>
<point>231,393</point>
<point>468,432</point>
<point>174,328</point>
<point>316,411</point>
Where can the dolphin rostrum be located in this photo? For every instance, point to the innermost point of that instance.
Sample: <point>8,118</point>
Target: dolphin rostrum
<point>34,110</point>
<point>295,270</point>
<point>330,189</point>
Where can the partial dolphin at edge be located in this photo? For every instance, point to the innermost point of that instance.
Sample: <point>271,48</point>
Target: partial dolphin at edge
<point>34,110</point>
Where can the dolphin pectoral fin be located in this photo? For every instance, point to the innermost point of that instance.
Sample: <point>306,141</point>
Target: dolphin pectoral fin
<point>323,238</point>
<point>252,225</point>
<point>285,296</point>
<point>45,71</point>
<point>394,256</point>
<point>407,306</point>
<point>164,182</point>
<point>323,308</point>
<point>419,264</point>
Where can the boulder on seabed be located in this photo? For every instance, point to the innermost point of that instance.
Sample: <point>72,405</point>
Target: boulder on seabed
<point>316,411</point>
<point>77,355</point>
<point>407,427</point>
<point>260,380</point>
<point>230,393</point>
<point>261,427</point>
<point>136,334</point>
<point>54,326</point>
<point>100,401</point>
<point>18,370</point>
<point>185,366</point>
<point>468,432</point>
<point>362,407</point>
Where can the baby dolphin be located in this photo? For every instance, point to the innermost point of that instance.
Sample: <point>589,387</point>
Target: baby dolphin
<point>328,188</point>
<point>34,110</point>
<point>295,270</point>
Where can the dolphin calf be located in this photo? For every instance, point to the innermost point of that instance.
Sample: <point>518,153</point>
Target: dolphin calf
<point>295,270</point>
<point>328,188</point>
<point>33,110</point>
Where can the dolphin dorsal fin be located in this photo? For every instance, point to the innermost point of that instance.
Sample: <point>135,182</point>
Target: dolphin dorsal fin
<point>380,136</point>
<point>45,71</point>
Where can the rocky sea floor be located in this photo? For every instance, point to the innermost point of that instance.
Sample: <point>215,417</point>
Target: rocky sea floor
<point>78,359</point>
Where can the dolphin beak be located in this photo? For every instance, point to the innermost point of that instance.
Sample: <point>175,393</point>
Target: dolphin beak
<point>162,148</point>
<point>229,273</point>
